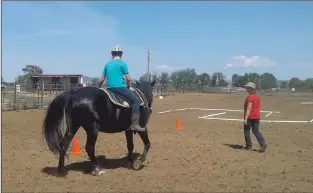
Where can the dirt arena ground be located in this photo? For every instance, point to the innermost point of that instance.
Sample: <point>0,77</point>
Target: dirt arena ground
<point>202,156</point>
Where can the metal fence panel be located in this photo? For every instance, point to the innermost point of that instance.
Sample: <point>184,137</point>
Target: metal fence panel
<point>36,97</point>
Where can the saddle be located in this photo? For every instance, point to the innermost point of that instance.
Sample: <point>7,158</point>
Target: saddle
<point>122,101</point>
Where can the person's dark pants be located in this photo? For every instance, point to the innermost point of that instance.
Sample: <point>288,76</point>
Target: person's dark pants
<point>135,103</point>
<point>254,124</point>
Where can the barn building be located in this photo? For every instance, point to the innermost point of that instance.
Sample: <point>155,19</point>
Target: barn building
<point>57,82</point>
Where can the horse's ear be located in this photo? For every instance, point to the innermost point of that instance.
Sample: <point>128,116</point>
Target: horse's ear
<point>153,83</point>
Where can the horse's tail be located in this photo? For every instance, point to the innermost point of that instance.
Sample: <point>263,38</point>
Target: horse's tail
<point>51,126</point>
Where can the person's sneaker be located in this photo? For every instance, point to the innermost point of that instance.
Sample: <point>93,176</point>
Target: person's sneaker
<point>263,148</point>
<point>248,148</point>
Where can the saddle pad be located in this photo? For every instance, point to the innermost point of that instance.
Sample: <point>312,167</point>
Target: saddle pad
<point>123,101</point>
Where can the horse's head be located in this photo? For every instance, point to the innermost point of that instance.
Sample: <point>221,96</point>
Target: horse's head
<point>146,88</point>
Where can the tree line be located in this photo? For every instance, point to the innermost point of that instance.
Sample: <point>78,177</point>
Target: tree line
<point>189,76</point>
<point>263,81</point>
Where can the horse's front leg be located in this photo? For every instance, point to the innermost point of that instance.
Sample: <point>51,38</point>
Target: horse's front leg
<point>130,145</point>
<point>137,162</point>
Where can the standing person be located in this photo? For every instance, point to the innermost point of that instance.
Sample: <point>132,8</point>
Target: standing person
<point>114,71</point>
<point>252,116</point>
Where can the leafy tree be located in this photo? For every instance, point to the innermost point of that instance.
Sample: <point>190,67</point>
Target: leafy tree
<point>184,76</point>
<point>175,78</point>
<point>188,76</point>
<point>222,83</point>
<point>164,78</point>
<point>155,77</point>
<point>253,77</point>
<point>239,80</point>
<point>145,76</point>
<point>268,81</point>
<point>243,79</point>
<point>309,83</point>
<point>204,79</point>
<point>284,84</point>
<point>29,71</point>
<point>235,79</point>
<point>295,83</point>
<point>218,79</point>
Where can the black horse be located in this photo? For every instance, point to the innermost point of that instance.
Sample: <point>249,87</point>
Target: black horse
<point>96,110</point>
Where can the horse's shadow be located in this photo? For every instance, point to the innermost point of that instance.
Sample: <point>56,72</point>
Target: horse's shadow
<point>85,166</point>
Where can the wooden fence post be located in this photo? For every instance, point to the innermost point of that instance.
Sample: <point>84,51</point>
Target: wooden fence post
<point>15,93</point>
<point>42,92</point>
<point>38,95</point>
<point>2,97</point>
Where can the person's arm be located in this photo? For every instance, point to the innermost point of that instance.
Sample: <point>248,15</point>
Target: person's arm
<point>248,109</point>
<point>102,79</point>
<point>126,73</point>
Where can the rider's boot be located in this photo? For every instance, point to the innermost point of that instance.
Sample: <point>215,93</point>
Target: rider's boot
<point>135,123</point>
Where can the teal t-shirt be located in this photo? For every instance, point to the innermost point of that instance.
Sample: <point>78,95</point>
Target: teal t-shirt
<point>114,72</point>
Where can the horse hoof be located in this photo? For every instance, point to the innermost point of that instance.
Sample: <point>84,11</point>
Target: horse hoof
<point>62,173</point>
<point>137,163</point>
<point>98,171</point>
<point>129,165</point>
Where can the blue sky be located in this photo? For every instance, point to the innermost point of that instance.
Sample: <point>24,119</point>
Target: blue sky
<point>231,37</point>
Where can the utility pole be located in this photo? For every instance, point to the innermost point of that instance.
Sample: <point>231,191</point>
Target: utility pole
<point>148,66</point>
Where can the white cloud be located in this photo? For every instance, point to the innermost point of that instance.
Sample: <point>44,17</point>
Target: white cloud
<point>249,61</point>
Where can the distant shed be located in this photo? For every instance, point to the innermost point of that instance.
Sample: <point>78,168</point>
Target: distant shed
<point>60,82</point>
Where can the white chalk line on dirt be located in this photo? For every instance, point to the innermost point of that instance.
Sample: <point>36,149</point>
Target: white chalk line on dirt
<point>268,121</point>
<point>212,115</point>
<point>311,121</point>
<point>307,103</point>
<point>168,111</point>
<point>181,109</point>
<point>268,114</point>
<point>165,112</point>
<point>204,109</point>
<point>230,110</point>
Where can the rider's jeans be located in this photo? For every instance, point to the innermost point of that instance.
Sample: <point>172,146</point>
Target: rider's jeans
<point>135,103</point>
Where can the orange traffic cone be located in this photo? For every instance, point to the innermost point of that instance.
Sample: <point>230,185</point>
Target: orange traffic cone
<point>75,147</point>
<point>178,125</point>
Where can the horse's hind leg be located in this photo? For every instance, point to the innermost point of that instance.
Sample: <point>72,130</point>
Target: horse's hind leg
<point>68,138</point>
<point>130,145</point>
<point>92,135</point>
<point>137,163</point>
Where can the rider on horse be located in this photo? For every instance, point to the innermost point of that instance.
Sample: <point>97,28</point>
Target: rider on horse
<point>114,71</point>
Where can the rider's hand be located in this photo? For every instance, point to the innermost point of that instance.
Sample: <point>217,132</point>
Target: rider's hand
<point>128,84</point>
